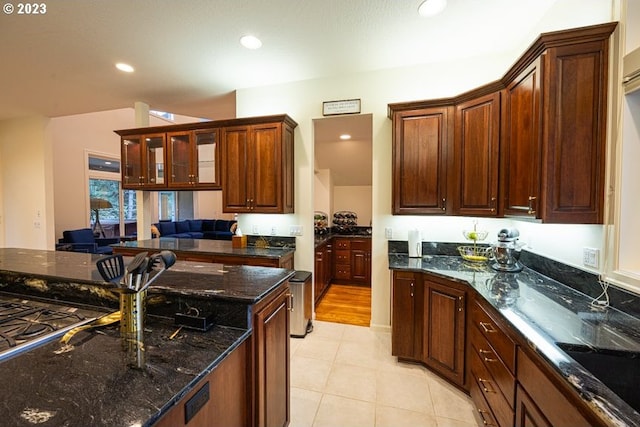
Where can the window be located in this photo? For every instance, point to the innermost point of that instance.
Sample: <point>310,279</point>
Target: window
<point>112,210</point>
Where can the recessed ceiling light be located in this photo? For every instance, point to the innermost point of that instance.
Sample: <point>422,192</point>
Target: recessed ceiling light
<point>124,67</point>
<point>432,7</point>
<point>345,136</point>
<point>250,42</point>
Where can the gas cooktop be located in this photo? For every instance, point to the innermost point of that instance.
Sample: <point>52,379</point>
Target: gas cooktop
<point>28,323</point>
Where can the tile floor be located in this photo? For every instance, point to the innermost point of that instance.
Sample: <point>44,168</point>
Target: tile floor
<point>344,375</point>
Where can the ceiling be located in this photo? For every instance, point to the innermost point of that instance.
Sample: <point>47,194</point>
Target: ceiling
<point>187,54</point>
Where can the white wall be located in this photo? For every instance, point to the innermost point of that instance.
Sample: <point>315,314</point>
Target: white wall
<point>303,101</point>
<point>355,198</point>
<point>27,183</point>
<point>322,190</point>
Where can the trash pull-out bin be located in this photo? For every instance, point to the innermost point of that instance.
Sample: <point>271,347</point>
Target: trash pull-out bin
<point>300,322</point>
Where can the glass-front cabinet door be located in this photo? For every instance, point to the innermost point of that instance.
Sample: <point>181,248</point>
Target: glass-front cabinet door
<point>154,162</point>
<point>180,173</point>
<point>206,159</point>
<point>131,161</point>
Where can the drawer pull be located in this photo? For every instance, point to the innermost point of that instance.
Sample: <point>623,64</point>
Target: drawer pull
<point>484,420</point>
<point>487,327</point>
<point>486,390</point>
<point>487,359</point>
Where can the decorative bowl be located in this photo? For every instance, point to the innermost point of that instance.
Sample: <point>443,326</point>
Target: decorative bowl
<point>475,253</point>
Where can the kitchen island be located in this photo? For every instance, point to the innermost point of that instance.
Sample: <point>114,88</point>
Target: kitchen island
<point>528,337</point>
<point>215,251</point>
<point>87,382</point>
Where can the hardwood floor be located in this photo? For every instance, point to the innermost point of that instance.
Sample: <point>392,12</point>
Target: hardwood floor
<point>350,304</point>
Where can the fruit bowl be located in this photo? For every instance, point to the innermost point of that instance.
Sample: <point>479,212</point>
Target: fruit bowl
<point>475,253</point>
<point>475,235</point>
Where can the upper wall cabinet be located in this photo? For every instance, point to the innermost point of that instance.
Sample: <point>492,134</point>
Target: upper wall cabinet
<point>420,159</point>
<point>255,174</point>
<point>257,166</point>
<point>143,161</point>
<point>532,144</point>
<point>193,159</point>
<point>475,156</point>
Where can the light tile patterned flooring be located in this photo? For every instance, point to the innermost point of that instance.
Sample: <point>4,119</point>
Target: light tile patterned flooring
<point>344,375</point>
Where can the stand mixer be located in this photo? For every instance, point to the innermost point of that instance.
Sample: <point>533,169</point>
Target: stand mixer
<point>506,251</point>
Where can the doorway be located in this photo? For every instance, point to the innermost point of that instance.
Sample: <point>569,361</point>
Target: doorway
<point>343,183</point>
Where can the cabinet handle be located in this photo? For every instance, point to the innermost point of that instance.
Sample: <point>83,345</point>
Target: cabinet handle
<point>290,299</point>
<point>461,305</point>
<point>486,390</point>
<point>531,211</point>
<point>444,204</point>
<point>484,420</point>
<point>487,327</point>
<point>493,204</point>
<point>411,289</point>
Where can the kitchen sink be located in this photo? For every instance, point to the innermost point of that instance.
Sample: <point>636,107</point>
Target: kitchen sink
<point>617,369</point>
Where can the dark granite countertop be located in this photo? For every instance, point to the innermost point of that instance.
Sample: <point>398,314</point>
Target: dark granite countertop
<point>245,284</point>
<point>551,317</point>
<point>205,246</point>
<point>88,383</point>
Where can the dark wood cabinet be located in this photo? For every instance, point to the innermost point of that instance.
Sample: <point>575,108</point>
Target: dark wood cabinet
<point>271,361</point>
<point>532,144</point>
<point>250,159</point>
<point>491,366</point>
<point>352,260</point>
<point>521,145</point>
<point>322,277</point>
<point>476,156</point>
<point>428,323</point>
<point>421,144</point>
<point>193,159</point>
<point>257,167</point>
<point>444,328</point>
<point>542,400</point>
<point>407,313</point>
<point>143,161</point>
<point>574,92</point>
<point>227,389</point>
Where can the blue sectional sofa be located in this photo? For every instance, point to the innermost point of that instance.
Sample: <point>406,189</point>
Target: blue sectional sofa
<point>215,229</point>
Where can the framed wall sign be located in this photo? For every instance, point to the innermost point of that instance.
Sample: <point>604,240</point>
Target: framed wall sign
<point>347,106</point>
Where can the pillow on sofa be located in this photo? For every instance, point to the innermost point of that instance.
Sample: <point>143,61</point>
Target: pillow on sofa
<point>166,227</point>
<point>223,225</point>
<point>195,225</point>
<point>182,227</point>
<point>208,224</point>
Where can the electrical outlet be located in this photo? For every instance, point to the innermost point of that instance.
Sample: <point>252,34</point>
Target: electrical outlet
<point>591,257</point>
<point>255,230</point>
<point>388,233</point>
<point>273,231</point>
<point>295,230</point>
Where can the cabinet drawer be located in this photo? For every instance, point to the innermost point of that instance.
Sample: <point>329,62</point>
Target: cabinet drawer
<point>490,330</point>
<point>342,257</point>
<point>361,245</point>
<point>502,410</point>
<point>343,272</point>
<point>486,416</point>
<point>344,244</point>
<point>494,364</point>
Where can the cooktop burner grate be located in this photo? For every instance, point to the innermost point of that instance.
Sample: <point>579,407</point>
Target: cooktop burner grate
<point>26,323</point>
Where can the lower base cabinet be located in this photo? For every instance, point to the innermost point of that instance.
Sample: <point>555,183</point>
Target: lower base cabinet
<point>509,384</point>
<point>428,323</point>
<point>220,399</point>
<point>542,403</point>
<point>271,361</point>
